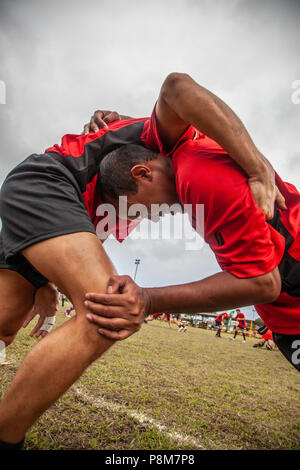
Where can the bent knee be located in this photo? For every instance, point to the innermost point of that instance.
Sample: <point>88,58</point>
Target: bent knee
<point>8,332</point>
<point>90,338</point>
<point>7,339</point>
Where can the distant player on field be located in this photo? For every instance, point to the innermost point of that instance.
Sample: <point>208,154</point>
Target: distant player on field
<point>68,311</point>
<point>220,323</point>
<point>266,340</point>
<point>242,325</point>
<point>177,320</point>
<point>161,316</point>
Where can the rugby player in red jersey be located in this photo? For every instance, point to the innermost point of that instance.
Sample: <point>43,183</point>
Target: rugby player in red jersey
<point>161,316</point>
<point>259,258</point>
<point>266,339</point>
<point>242,325</point>
<point>220,322</point>
<point>51,207</point>
<point>176,317</point>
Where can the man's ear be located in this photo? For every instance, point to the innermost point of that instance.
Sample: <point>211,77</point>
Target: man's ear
<point>139,172</point>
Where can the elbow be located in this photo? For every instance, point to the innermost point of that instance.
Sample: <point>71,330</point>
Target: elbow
<point>269,286</point>
<point>173,85</point>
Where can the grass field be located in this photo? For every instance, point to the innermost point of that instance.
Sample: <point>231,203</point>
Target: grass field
<point>162,389</point>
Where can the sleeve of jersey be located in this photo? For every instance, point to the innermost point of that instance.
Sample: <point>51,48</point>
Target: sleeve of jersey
<point>235,228</point>
<point>152,140</point>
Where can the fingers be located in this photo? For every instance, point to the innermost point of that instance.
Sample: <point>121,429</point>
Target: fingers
<point>37,327</point>
<point>124,283</point>
<point>269,212</point>
<point>30,316</point>
<point>98,120</point>
<point>96,123</point>
<point>36,330</point>
<point>115,335</point>
<point>41,333</point>
<point>112,324</point>
<point>280,200</point>
<point>93,126</point>
<point>113,286</point>
<point>104,310</point>
<point>86,129</point>
<point>111,117</point>
<point>105,299</point>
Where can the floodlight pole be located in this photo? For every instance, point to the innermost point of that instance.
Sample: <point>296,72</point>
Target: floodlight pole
<point>137,262</point>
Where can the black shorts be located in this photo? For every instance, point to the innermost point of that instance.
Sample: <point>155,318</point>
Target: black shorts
<point>218,323</point>
<point>289,345</point>
<point>40,199</point>
<point>23,267</point>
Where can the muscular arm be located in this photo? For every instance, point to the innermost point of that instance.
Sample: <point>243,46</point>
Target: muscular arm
<point>125,311</point>
<point>217,292</point>
<point>183,102</point>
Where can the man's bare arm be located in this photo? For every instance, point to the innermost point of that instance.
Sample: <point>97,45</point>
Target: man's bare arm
<point>183,102</point>
<point>217,292</point>
<point>120,312</point>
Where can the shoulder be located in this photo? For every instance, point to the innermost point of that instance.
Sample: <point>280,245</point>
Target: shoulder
<point>203,170</point>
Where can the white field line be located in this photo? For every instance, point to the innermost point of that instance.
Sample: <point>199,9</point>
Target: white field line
<point>140,417</point>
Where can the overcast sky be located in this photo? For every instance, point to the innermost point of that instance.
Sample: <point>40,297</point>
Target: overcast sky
<point>61,60</point>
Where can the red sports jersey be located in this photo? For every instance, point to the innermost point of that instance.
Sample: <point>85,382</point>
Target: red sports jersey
<point>82,155</point>
<point>240,317</point>
<point>244,243</point>
<point>268,335</point>
<point>222,316</point>
<point>156,315</point>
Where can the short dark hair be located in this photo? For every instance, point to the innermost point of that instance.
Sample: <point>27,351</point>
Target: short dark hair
<point>115,176</point>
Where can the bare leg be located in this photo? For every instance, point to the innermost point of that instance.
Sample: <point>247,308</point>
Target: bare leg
<point>150,318</point>
<point>270,344</point>
<point>77,264</point>
<point>16,300</point>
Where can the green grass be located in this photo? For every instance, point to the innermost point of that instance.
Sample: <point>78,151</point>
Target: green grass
<point>215,393</point>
